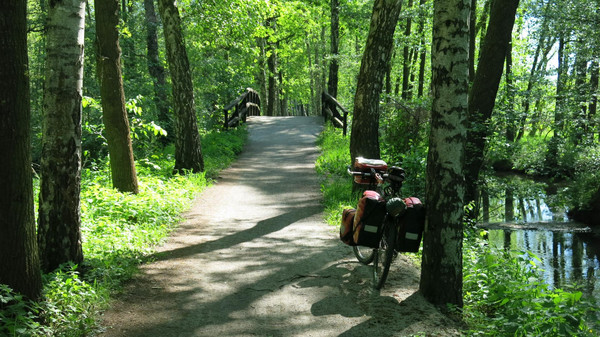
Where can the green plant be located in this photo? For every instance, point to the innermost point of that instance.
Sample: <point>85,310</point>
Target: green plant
<point>336,185</point>
<point>505,295</point>
<point>18,315</point>
<point>71,304</point>
<point>221,148</point>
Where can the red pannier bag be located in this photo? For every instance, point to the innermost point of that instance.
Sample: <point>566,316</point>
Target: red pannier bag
<point>411,225</point>
<point>364,226</point>
<point>347,226</point>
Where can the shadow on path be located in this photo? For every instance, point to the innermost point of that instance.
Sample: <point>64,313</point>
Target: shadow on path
<point>254,258</point>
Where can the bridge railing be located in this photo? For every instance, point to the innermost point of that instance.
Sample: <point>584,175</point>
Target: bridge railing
<point>247,104</point>
<point>329,107</point>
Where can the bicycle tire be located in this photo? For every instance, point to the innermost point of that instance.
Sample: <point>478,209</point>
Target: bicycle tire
<point>364,255</point>
<point>384,255</point>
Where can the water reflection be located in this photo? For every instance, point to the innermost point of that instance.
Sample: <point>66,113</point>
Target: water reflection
<point>527,215</point>
<point>510,198</point>
<point>567,258</point>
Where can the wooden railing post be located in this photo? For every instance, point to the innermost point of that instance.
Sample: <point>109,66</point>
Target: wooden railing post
<point>247,104</point>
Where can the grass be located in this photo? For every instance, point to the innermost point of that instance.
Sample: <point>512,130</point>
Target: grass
<point>336,185</point>
<point>119,232</point>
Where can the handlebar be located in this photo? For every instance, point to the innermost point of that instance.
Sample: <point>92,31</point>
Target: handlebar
<point>367,174</point>
<point>398,177</point>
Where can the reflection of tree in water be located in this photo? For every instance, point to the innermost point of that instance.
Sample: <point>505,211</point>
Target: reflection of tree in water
<point>532,216</point>
<point>509,198</point>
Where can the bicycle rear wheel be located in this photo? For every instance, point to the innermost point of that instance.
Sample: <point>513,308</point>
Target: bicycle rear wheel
<point>364,255</point>
<point>384,255</point>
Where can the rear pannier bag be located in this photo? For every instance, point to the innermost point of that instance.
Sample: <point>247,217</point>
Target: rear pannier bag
<point>346,228</point>
<point>368,220</point>
<point>411,225</point>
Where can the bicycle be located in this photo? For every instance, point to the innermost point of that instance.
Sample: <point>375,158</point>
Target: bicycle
<point>398,230</point>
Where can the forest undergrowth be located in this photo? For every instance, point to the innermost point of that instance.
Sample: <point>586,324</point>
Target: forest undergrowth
<point>119,232</point>
<point>504,292</point>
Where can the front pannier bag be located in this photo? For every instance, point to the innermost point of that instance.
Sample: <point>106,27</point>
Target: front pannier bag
<point>411,225</point>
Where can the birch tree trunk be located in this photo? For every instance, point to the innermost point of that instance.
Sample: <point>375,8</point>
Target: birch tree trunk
<point>188,150</point>
<point>59,233</point>
<point>18,247</point>
<point>364,140</point>
<point>441,269</point>
<point>116,124</point>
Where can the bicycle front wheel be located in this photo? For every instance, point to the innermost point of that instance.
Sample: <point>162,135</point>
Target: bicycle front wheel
<point>364,255</point>
<point>384,255</point>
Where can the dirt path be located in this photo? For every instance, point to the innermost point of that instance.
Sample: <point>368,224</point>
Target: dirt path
<point>254,258</point>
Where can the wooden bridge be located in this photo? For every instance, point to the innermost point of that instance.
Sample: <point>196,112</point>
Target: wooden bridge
<point>248,104</point>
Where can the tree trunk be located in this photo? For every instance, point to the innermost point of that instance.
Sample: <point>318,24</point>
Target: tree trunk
<point>591,117</point>
<point>364,140</point>
<point>273,97</point>
<point>156,70</point>
<point>533,72</point>
<point>332,85</point>
<point>18,248</point>
<point>441,268</point>
<point>262,70</point>
<point>406,60</point>
<point>422,53</point>
<point>485,87</point>
<point>311,75</point>
<point>580,122</point>
<point>188,150</point>
<point>472,39</point>
<point>59,228</point>
<point>511,118</point>
<point>559,110</point>
<point>122,166</point>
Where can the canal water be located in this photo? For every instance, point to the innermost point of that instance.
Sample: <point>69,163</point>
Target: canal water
<point>526,215</point>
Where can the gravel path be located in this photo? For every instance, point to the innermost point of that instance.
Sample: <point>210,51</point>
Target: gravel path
<point>254,258</point>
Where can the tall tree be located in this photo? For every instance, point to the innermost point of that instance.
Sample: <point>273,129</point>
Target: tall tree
<point>364,140</point>
<point>406,57</point>
<point>533,73</point>
<point>272,83</point>
<point>482,97</point>
<point>155,68</point>
<point>332,85</point>
<point>422,52</point>
<point>441,268</point>
<point>59,233</point>
<point>188,150</point>
<point>116,124</point>
<point>472,39</point>
<point>18,249</point>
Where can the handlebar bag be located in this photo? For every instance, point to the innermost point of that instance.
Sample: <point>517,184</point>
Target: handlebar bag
<point>411,225</point>
<point>368,220</point>
<point>365,165</point>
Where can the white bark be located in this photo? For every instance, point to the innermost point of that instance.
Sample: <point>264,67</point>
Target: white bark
<point>59,224</point>
<point>441,277</point>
